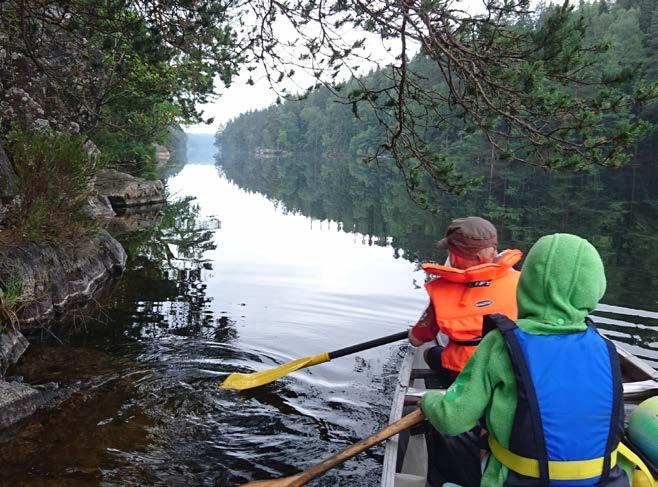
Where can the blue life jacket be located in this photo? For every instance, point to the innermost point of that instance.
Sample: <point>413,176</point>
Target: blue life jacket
<point>570,411</point>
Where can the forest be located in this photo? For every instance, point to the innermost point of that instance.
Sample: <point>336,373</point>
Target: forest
<point>86,85</point>
<point>321,123</point>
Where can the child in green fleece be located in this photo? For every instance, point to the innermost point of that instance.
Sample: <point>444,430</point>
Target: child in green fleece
<point>562,281</point>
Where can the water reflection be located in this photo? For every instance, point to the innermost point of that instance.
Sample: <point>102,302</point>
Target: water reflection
<point>202,299</point>
<point>617,210</point>
<point>168,260</point>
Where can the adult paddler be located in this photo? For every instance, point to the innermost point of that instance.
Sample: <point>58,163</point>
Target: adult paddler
<point>477,281</point>
<point>547,384</point>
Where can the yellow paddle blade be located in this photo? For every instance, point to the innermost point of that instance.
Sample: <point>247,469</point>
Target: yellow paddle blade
<point>241,382</point>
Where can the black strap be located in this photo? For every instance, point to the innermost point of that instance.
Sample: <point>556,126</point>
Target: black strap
<point>617,413</point>
<point>518,359</point>
<point>467,343</point>
<point>496,321</point>
<point>525,388</point>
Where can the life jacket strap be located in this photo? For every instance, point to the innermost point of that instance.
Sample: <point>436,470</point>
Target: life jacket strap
<point>467,343</point>
<point>637,461</point>
<point>557,470</point>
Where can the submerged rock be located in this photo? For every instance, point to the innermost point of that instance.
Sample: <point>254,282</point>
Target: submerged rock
<point>53,277</point>
<point>134,219</point>
<point>123,203</point>
<point>18,400</point>
<point>123,190</point>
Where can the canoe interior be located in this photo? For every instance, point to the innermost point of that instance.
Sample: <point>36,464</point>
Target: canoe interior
<point>409,468</point>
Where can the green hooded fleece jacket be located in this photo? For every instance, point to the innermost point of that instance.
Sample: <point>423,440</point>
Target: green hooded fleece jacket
<point>562,281</point>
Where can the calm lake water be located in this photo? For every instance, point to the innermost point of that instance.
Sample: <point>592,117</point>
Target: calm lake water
<point>240,278</point>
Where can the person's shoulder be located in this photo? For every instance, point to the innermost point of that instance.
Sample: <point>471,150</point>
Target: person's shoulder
<point>493,356</point>
<point>492,338</point>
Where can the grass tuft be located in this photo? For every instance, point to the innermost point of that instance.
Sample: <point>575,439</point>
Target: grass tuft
<point>54,175</point>
<point>11,303</point>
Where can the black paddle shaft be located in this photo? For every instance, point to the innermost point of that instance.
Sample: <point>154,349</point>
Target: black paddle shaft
<point>366,345</point>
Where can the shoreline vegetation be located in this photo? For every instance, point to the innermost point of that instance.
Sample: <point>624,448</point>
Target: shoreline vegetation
<point>47,273</point>
<point>60,196</point>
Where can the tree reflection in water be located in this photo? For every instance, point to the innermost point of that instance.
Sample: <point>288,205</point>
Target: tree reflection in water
<point>617,210</point>
<point>163,289</point>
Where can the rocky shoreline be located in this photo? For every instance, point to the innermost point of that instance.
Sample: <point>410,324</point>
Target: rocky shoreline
<point>56,277</point>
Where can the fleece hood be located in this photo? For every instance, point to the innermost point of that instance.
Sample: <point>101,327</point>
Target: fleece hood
<point>562,281</point>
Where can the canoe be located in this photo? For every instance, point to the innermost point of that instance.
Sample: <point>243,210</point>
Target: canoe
<point>407,467</point>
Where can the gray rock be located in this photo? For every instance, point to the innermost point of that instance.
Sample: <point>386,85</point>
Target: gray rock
<point>12,346</point>
<point>93,152</point>
<point>162,154</point>
<point>54,277</point>
<point>18,400</point>
<point>124,190</point>
<point>40,125</point>
<point>99,207</point>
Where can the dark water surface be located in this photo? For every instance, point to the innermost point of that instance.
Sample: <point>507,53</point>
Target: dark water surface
<point>237,281</point>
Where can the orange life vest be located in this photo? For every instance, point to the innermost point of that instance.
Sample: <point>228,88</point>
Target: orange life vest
<point>461,297</point>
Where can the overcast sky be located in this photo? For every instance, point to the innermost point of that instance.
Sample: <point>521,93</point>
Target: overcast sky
<point>241,97</point>
<point>235,100</point>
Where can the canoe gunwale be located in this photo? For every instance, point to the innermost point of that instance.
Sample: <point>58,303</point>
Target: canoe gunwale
<point>391,450</point>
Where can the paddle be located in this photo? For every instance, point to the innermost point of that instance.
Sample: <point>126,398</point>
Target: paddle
<point>255,379</point>
<point>315,471</point>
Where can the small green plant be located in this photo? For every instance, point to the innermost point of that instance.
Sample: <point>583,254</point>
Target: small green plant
<point>11,303</point>
<point>54,181</point>
<point>129,153</point>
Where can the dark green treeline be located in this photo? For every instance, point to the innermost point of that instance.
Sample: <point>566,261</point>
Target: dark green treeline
<point>320,124</point>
